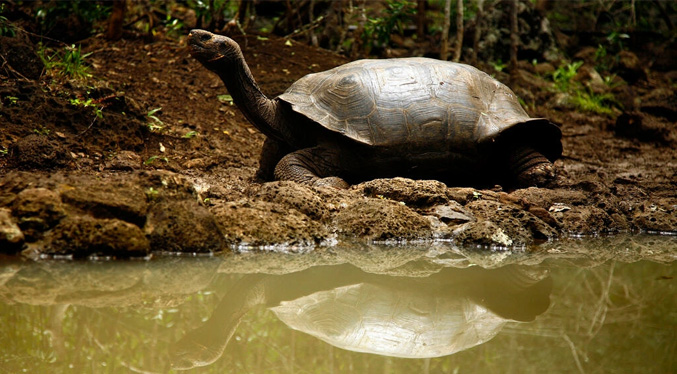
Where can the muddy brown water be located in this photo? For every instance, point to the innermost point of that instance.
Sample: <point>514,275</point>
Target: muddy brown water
<point>577,305</point>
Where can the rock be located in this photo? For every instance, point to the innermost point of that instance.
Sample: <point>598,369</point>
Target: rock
<point>83,236</point>
<point>657,217</point>
<point>464,195</point>
<point>645,127</point>
<point>38,152</point>
<point>11,237</point>
<point>451,213</point>
<point>586,220</point>
<point>21,57</point>
<point>544,216</point>
<point>546,198</point>
<point>482,233</point>
<point>408,191</point>
<point>629,67</point>
<point>261,223</point>
<point>125,201</point>
<point>377,219</point>
<point>660,102</point>
<point>521,226</point>
<point>295,196</point>
<point>37,210</point>
<point>124,160</point>
<point>183,226</point>
<point>587,75</point>
<point>587,54</point>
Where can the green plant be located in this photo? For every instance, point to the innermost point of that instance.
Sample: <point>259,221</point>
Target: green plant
<point>379,29</point>
<point>12,100</point>
<point>190,134</point>
<point>6,27</point>
<point>606,54</point>
<point>152,159</point>
<point>89,103</point>
<point>4,151</point>
<point>152,193</point>
<point>581,97</point>
<point>70,62</point>
<point>224,8</point>
<point>225,99</point>
<point>42,131</point>
<point>562,77</point>
<point>49,14</point>
<point>155,123</point>
<point>174,27</point>
<point>589,101</point>
<point>499,65</point>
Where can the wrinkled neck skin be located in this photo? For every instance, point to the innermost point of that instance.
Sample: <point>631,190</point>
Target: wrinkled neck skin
<point>261,111</point>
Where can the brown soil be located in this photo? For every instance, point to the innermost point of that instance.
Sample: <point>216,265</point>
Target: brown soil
<point>74,183</point>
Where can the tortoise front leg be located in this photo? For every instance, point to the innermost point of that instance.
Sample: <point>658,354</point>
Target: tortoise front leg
<point>316,166</point>
<point>528,167</point>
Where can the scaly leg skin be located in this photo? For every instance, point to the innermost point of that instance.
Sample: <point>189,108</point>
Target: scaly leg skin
<point>530,168</point>
<point>307,166</point>
<point>271,153</point>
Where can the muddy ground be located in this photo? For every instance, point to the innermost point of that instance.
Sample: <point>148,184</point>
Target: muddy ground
<point>74,183</point>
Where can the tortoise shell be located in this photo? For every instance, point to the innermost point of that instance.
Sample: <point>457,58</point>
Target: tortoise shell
<point>412,101</point>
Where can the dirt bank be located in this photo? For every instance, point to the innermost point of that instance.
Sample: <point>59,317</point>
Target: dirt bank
<point>77,182</point>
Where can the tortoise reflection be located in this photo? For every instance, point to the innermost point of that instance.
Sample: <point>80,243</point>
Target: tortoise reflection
<point>438,315</point>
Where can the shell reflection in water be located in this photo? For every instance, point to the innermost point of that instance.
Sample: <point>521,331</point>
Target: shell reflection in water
<point>438,315</point>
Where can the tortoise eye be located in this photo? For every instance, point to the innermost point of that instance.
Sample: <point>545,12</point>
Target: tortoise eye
<point>205,37</point>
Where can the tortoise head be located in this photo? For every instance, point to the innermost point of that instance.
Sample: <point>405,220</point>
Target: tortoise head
<point>223,56</point>
<point>213,50</point>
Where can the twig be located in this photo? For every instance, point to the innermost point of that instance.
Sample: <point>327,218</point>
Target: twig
<point>6,65</point>
<point>88,127</point>
<point>306,28</point>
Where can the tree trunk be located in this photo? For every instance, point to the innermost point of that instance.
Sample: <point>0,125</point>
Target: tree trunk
<point>514,37</point>
<point>358,43</point>
<point>420,18</point>
<point>311,19</point>
<point>478,29</point>
<point>212,14</point>
<point>444,44</point>
<point>117,16</point>
<point>459,30</point>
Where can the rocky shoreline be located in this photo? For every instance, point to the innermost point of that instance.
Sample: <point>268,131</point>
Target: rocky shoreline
<point>134,214</point>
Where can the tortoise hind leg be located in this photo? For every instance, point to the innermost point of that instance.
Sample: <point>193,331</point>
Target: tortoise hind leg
<point>528,167</point>
<point>316,166</point>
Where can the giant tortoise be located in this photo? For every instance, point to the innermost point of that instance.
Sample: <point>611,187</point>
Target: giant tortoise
<point>409,117</point>
<point>447,311</point>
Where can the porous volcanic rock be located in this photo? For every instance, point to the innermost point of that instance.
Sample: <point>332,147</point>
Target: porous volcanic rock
<point>261,223</point>
<point>183,226</point>
<point>37,210</point>
<point>125,201</point>
<point>294,196</point>
<point>82,236</point>
<point>408,191</point>
<point>11,237</point>
<point>380,219</point>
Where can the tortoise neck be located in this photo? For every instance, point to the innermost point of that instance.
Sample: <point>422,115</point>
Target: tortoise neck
<point>261,111</point>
